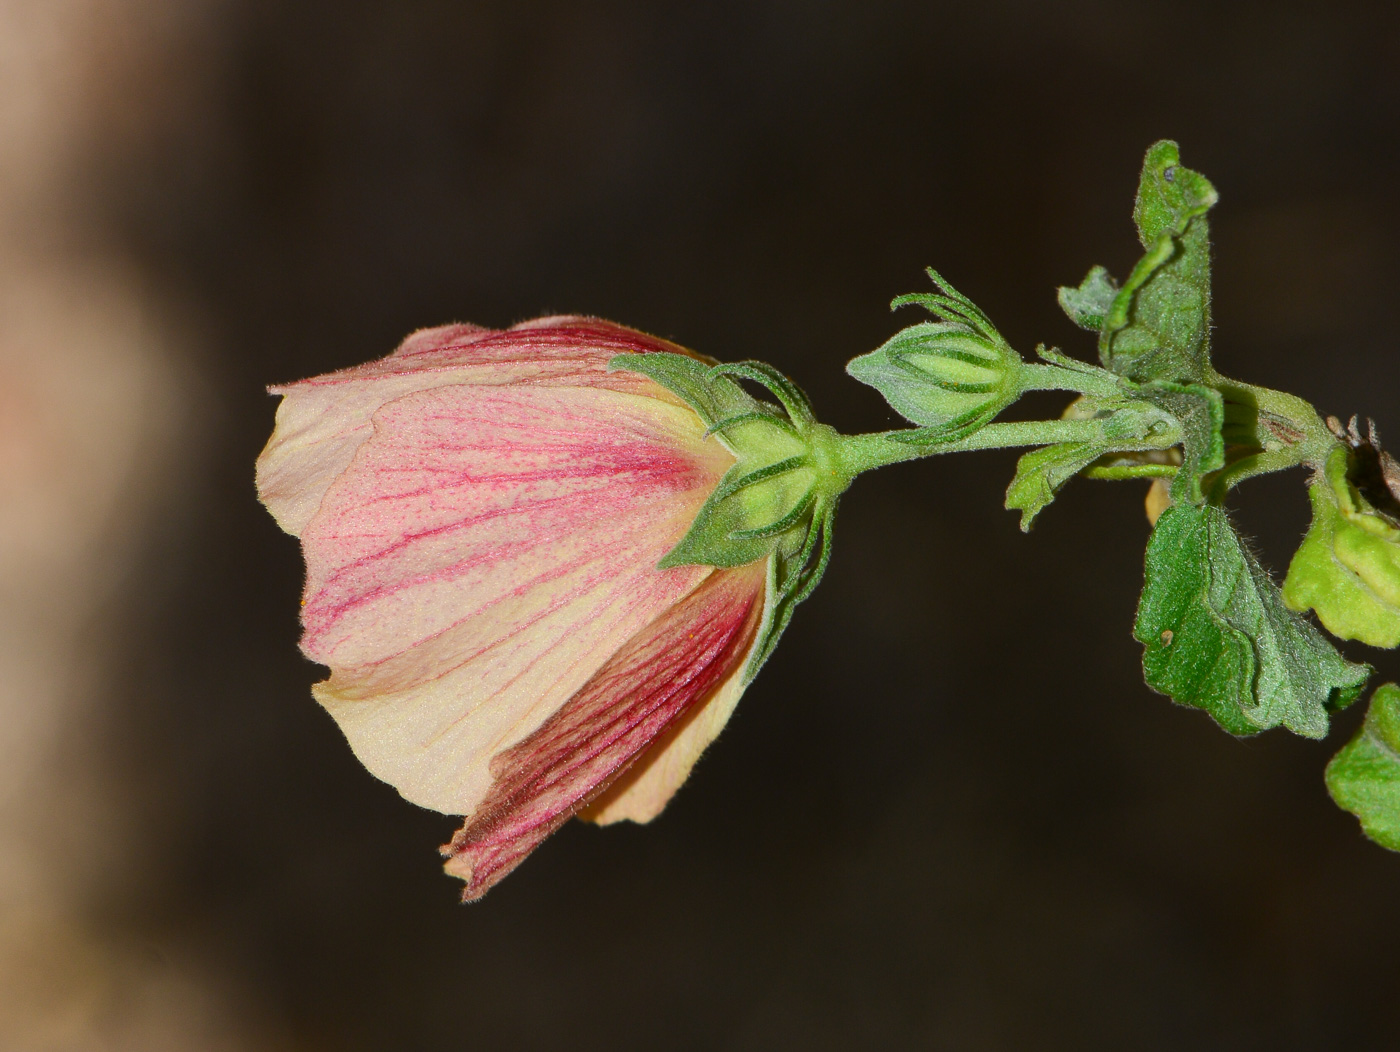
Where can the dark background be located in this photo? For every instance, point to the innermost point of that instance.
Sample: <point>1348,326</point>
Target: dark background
<point>948,814</point>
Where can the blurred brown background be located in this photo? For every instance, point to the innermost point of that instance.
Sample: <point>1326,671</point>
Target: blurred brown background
<point>948,815</point>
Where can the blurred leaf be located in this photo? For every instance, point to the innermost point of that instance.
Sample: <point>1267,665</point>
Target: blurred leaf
<point>1364,778</point>
<point>1219,638</point>
<point>1348,567</point>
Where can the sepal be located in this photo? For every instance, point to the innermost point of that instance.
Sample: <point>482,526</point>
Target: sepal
<point>778,501</point>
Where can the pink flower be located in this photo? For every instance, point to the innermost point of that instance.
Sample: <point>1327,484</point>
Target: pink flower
<point>482,514</point>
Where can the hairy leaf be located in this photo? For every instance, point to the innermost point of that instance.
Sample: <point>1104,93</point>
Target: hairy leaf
<point>1219,638</point>
<point>1200,412</point>
<point>1088,305</point>
<point>1158,325</point>
<point>1041,472</point>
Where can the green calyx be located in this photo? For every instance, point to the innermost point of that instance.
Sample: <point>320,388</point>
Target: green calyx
<point>1364,778</point>
<point>1347,570</point>
<point>778,501</point>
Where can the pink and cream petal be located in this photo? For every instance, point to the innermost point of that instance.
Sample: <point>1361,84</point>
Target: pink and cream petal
<point>485,553</point>
<point>433,739</point>
<point>467,498</point>
<point>322,421</point>
<point>646,788</point>
<point>648,685</point>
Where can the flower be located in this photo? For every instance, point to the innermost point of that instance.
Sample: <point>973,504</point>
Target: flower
<point>482,515</point>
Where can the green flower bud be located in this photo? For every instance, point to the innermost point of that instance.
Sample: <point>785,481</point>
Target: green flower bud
<point>1347,569</point>
<point>954,374</point>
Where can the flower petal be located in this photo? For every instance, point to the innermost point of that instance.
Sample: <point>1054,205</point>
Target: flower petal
<point>651,683</point>
<point>485,552</point>
<point>322,421</point>
<point>646,788</point>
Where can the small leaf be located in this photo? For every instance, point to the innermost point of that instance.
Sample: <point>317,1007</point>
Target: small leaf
<point>1158,326</point>
<point>1364,777</point>
<point>1169,196</point>
<point>1041,472</point>
<point>1090,303</point>
<point>1218,636</point>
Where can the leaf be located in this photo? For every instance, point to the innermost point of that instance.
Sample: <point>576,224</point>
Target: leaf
<point>1200,412</point>
<point>1364,777</point>
<point>1090,303</point>
<point>1219,638</point>
<point>1347,570</point>
<point>1158,325</point>
<point>1041,472</point>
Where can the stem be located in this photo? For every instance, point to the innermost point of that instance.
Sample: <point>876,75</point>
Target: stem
<point>1090,381</point>
<point>863,452</point>
<point>1286,428</point>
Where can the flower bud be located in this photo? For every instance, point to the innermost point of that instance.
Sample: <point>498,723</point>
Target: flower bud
<point>1348,567</point>
<point>954,374</point>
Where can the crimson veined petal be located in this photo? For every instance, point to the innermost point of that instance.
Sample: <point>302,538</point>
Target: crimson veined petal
<point>322,421</point>
<point>670,669</point>
<point>486,551</point>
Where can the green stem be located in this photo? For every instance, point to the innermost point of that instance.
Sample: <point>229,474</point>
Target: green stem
<point>1090,381</point>
<point>1286,428</point>
<point>860,453</point>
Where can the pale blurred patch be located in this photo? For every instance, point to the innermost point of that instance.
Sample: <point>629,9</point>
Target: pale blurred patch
<point>98,420</point>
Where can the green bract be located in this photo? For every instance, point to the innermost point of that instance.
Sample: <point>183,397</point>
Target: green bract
<point>949,376</point>
<point>1364,778</point>
<point>1347,569</point>
<point>1218,636</point>
<point>778,501</point>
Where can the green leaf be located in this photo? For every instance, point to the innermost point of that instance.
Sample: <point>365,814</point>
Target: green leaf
<point>1200,412</point>
<point>1041,472</point>
<point>1158,325</point>
<point>1347,569</point>
<point>1088,305</point>
<point>1364,778</point>
<point>1218,636</point>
